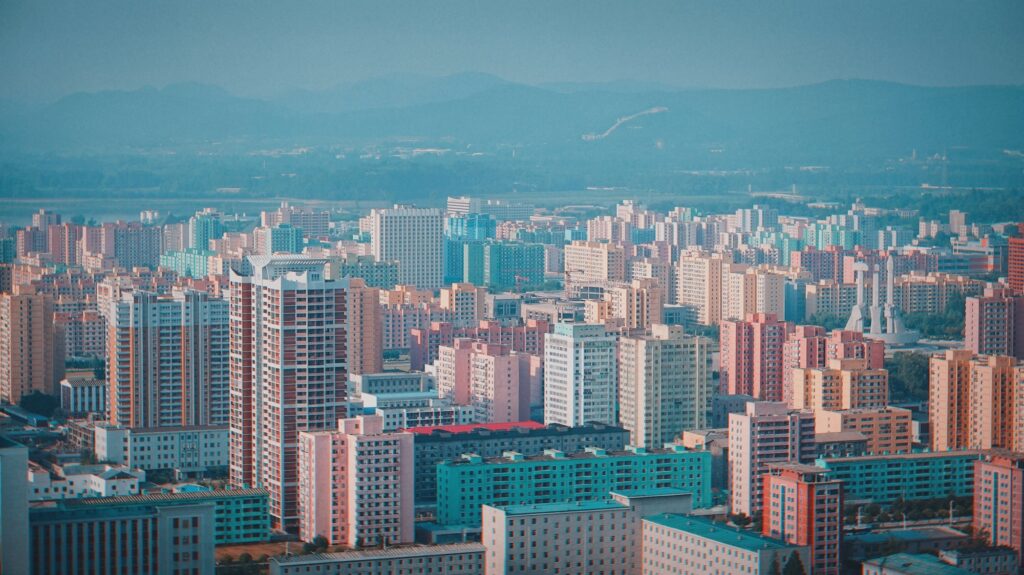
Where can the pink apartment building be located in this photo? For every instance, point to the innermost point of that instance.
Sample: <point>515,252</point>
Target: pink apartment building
<point>287,372</point>
<point>752,354</point>
<point>491,378</point>
<point>356,484</point>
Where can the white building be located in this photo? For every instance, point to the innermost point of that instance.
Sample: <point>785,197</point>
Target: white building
<point>665,385</point>
<point>81,481</point>
<point>690,545</point>
<point>580,372</point>
<point>413,238</point>
<point>189,451</point>
<point>401,410</point>
<point>83,395</point>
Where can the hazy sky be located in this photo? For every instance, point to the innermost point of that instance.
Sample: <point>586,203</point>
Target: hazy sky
<point>255,47</point>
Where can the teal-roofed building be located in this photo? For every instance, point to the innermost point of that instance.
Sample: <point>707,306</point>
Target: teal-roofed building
<point>700,545</point>
<point>886,478</point>
<point>908,564</point>
<point>465,485</point>
<point>240,515</point>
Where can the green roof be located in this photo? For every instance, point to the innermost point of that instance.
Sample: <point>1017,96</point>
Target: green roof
<point>718,532</point>
<point>652,492</point>
<point>561,507</point>
<point>908,564</point>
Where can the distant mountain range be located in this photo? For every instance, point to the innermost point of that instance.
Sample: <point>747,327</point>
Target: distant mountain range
<point>831,123</point>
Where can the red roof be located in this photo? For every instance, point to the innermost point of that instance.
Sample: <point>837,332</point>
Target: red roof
<point>427,430</point>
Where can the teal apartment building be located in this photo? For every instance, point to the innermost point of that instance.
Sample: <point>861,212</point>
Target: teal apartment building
<point>558,477</point>
<point>240,515</point>
<point>886,478</point>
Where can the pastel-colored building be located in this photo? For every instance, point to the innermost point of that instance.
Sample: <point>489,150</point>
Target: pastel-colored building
<point>994,323</point>
<point>804,507</point>
<point>580,375</point>
<point>167,359</point>
<point>888,429</point>
<point>570,538</point>
<point>972,401</point>
<point>189,451</point>
<point>30,358</point>
<point>356,484</point>
<point>665,384</point>
<point>910,476</point>
<point>841,384</point>
<point>413,237</point>
<point>436,444</point>
<point>765,433</point>
<point>464,485</point>
<point>999,499</point>
<point>490,378</point>
<point>691,545</point>
<point>751,356</point>
<point>910,564</point>
<point>82,481</point>
<point>287,371</point>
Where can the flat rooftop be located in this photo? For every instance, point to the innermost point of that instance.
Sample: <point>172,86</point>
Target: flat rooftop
<point>579,506</point>
<point>389,553</point>
<point>909,564</point>
<point>718,532</point>
<point>471,427</point>
<point>906,535</point>
<point>914,455</point>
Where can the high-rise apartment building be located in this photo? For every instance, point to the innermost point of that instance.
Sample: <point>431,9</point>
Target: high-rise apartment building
<point>631,307</point>
<point>1015,260</point>
<point>588,262</point>
<point>807,346</point>
<point>489,377</point>
<point>699,286</point>
<point>288,371</point>
<point>843,384</point>
<point>766,433</point>
<point>665,385</point>
<point>364,328</point>
<point>804,507</point>
<point>998,496</point>
<point>204,226</point>
<point>413,237</point>
<point>580,372</point>
<point>466,303</point>
<point>974,401</point>
<point>752,356</point>
<point>356,484</point>
<point>167,359</point>
<point>314,223</point>
<point>31,350</point>
<point>994,323</point>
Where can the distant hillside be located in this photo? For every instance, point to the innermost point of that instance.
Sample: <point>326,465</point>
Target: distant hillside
<point>834,123</point>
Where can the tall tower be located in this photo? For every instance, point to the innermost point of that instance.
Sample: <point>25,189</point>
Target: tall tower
<point>167,359</point>
<point>665,385</point>
<point>288,371</point>
<point>580,371</point>
<point>413,237</point>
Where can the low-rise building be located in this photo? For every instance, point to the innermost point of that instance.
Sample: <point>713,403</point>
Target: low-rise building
<point>240,515</point>
<point>457,559</point>
<point>81,396</point>
<point>985,561</point>
<point>908,476</point>
<point>123,537</point>
<point>82,481</point>
<point>189,451</point>
<point>690,545</point>
<point>515,479</point>
<point>909,564</point>
<point>435,445</point>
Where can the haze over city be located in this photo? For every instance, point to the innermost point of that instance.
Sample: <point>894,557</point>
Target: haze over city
<point>617,288</point>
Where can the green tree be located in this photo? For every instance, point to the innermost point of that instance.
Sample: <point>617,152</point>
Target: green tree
<point>908,375</point>
<point>775,569</point>
<point>40,403</point>
<point>794,566</point>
